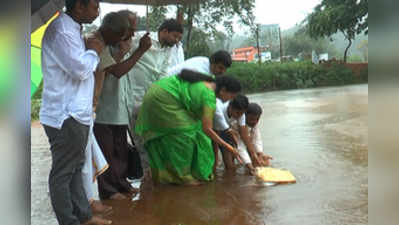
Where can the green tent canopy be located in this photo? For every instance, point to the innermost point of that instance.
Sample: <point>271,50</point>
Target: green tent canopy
<point>35,69</point>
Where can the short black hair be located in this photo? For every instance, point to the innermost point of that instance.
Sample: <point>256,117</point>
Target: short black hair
<point>240,102</point>
<point>254,109</point>
<point>70,4</point>
<point>171,25</point>
<point>193,76</point>
<point>230,83</point>
<point>222,57</point>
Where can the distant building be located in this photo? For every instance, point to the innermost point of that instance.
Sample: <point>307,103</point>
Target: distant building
<point>249,54</point>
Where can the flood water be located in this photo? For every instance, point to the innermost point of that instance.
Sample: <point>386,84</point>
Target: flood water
<point>320,135</point>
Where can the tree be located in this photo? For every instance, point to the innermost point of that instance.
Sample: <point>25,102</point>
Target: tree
<point>364,48</point>
<point>199,44</point>
<point>210,15</point>
<point>347,16</point>
<point>301,42</point>
<point>268,38</point>
<point>220,41</point>
<point>142,23</point>
<point>156,17</point>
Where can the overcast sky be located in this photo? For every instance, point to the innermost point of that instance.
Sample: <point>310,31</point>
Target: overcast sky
<point>284,12</point>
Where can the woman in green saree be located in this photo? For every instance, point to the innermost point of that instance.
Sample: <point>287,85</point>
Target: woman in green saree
<point>175,121</point>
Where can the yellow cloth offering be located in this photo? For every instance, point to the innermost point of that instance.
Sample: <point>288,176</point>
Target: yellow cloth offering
<point>274,175</point>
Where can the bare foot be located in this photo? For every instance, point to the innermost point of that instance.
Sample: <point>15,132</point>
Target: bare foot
<point>193,183</point>
<point>250,169</point>
<point>251,172</point>
<point>99,208</point>
<point>117,196</point>
<point>133,191</point>
<point>95,220</point>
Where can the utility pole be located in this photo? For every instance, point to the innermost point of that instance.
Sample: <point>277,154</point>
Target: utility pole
<point>257,44</point>
<point>281,45</point>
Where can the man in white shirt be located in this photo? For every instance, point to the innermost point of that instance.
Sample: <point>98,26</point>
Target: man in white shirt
<point>153,65</point>
<point>66,111</point>
<point>231,114</point>
<point>177,52</point>
<point>176,55</point>
<point>216,64</point>
<point>252,116</point>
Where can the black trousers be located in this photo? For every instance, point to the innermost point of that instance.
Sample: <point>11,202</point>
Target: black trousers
<point>68,197</point>
<point>112,140</point>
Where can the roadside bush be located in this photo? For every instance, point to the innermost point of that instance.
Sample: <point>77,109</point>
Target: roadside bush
<point>290,75</point>
<point>34,109</point>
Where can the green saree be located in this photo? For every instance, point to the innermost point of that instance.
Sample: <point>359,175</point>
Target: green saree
<point>170,123</point>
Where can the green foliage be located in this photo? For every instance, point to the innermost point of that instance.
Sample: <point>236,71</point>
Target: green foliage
<point>38,93</point>
<point>364,48</point>
<point>268,37</point>
<point>291,75</point>
<point>364,75</point>
<point>347,16</point>
<point>199,44</point>
<point>331,16</point>
<point>209,14</point>
<point>35,102</point>
<point>142,23</point>
<point>156,17</point>
<point>355,58</point>
<point>301,42</point>
<point>220,41</point>
<point>35,109</point>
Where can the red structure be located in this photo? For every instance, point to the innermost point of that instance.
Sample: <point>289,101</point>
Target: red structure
<point>246,54</point>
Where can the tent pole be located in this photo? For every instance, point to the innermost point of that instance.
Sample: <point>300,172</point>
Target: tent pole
<point>147,19</point>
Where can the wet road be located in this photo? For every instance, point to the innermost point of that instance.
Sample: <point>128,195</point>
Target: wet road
<point>320,135</point>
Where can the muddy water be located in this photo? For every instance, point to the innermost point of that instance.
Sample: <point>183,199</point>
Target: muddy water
<point>320,135</point>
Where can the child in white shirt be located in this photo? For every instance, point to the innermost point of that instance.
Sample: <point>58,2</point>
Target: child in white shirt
<point>252,116</point>
<point>227,114</point>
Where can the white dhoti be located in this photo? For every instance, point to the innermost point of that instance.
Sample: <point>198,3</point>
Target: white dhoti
<point>254,137</point>
<point>95,164</point>
<point>242,151</point>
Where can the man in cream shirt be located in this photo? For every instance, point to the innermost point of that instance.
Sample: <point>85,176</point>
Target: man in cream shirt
<point>121,97</point>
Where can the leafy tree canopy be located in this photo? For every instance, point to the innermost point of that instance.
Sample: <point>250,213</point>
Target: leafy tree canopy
<point>347,16</point>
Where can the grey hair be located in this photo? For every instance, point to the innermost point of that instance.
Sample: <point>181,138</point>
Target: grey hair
<point>126,13</point>
<point>115,22</point>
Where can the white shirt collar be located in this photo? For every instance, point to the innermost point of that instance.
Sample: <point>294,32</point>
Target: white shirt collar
<point>72,22</point>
